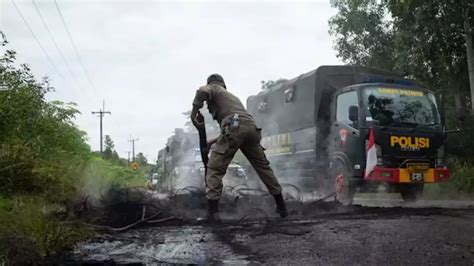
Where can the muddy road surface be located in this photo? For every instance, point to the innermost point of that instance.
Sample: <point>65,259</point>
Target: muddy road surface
<point>321,233</point>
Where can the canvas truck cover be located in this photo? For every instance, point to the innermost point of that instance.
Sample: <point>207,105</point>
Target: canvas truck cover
<point>304,101</point>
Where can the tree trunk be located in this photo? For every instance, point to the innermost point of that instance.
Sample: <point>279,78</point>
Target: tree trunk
<point>469,52</point>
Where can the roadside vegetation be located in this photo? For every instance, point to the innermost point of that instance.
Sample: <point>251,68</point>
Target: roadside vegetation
<point>46,169</point>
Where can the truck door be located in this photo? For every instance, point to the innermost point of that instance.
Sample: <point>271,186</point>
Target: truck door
<point>347,144</point>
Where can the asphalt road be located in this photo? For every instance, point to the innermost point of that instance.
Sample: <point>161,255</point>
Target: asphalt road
<point>321,233</point>
<point>394,200</point>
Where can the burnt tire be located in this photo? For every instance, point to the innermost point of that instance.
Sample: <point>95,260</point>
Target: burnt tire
<point>343,184</point>
<point>411,192</point>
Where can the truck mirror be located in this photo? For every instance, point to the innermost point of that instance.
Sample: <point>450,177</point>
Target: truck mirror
<point>353,113</point>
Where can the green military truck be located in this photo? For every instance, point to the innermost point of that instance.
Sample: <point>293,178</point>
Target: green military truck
<point>316,131</point>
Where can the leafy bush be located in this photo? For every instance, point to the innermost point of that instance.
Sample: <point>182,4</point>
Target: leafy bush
<point>28,233</point>
<point>462,175</point>
<point>461,184</point>
<point>40,147</point>
<point>45,162</point>
<point>461,144</point>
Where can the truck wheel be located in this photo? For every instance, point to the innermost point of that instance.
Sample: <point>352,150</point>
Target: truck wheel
<point>411,192</point>
<point>343,185</point>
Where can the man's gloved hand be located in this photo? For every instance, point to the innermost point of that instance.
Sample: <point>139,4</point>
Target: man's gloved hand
<point>198,120</point>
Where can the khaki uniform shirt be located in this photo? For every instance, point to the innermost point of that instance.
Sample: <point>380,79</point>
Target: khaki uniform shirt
<point>246,137</point>
<point>220,102</point>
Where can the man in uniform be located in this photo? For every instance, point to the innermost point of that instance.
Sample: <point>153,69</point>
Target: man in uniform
<point>238,131</point>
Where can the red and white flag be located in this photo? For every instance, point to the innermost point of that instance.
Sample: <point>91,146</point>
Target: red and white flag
<point>371,154</point>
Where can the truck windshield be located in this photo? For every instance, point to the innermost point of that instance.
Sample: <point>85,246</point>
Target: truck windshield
<point>400,107</point>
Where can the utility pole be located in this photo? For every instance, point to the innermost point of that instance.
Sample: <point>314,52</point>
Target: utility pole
<point>101,114</point>
<point>128,160</point>
<point>133,147</point>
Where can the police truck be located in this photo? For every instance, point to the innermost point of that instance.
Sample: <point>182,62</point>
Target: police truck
<point>318,127</point>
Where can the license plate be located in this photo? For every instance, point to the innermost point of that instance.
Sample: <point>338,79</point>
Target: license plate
<point>418,167</point>
<point>417,177</point>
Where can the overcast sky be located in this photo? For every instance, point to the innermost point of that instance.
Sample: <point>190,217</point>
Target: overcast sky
<point>147,58</point>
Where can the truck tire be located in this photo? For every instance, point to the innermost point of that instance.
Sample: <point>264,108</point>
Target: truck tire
<point>411,192</point>
<point>344,186</point>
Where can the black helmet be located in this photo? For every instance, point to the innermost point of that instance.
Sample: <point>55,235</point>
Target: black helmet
<point>216,79</point>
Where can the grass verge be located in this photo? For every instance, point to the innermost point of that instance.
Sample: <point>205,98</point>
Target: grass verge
<point>33,228</point>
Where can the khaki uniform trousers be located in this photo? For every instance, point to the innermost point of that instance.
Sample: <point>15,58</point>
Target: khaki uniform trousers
<point>246,138</point>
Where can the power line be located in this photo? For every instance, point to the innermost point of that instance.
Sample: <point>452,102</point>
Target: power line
<point>73,45</point>
<point>58,49</point>
<point>54,41</point>
<point>37,40</point>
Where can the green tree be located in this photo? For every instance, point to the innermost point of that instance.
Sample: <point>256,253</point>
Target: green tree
<point>109,152</point>
<point>363,35</point>
<point>41,150</point>
<point>109,147</point>
<point>141,159</point>
<point>420,39</point>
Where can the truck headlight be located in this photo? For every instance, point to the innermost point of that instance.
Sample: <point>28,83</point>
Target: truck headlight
<point>378,151</point>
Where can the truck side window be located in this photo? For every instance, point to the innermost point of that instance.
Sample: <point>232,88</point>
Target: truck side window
<point>342,105</point>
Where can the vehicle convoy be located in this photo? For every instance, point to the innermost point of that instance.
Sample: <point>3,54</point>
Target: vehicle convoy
<point>179,165</point>
<point>316,129</point>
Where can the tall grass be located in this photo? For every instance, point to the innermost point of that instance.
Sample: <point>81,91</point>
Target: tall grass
<point>32,227</point>
<point>459,187</point>
<point>462,175</point>
<point>28,233</point>
<point>101,175</point>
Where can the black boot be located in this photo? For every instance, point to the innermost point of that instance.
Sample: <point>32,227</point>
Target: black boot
<point>281,206</point>
<point>213,212</point>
